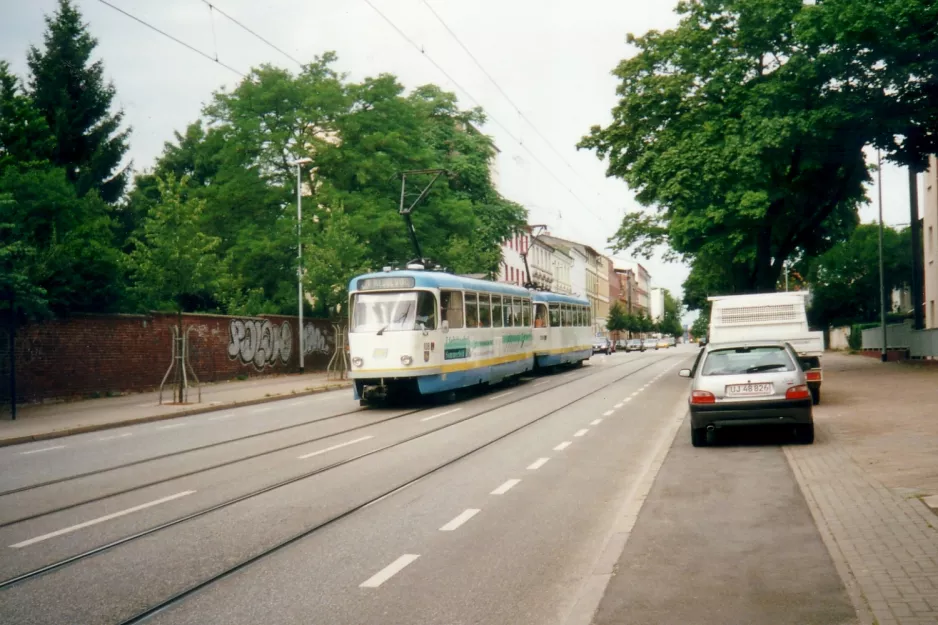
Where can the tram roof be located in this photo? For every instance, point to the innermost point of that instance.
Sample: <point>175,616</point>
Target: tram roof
<point>442,280</point>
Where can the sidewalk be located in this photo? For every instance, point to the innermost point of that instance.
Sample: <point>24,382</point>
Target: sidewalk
<point>42,421</point>
<point>875,457</point>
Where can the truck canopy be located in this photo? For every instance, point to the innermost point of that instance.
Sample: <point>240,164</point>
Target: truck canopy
<point>778,316</point>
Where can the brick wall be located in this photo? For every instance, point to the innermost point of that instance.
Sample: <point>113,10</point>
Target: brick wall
<point>90,354</point>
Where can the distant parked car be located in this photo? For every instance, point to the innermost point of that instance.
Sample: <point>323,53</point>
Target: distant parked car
<point>650,343</point>
<point>622,344</point>
<point>749,383</point>
<point>663,343</point>
<point>602,345</point>
<point>634,345</point>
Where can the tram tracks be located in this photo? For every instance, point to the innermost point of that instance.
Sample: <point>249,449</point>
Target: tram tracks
<point>89,553</point>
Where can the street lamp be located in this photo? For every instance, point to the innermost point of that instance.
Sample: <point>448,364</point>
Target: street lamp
<point>299,249</point>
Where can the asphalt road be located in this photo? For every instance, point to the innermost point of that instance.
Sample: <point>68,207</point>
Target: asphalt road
<point>492,509</point>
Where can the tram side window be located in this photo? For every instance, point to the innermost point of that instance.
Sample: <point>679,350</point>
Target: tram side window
<point>451,308</point>
<point>526,313</point>
<point>580,317</point>
<point>485,311</point>
<point>497,315</point>
<point>540,315</point>
<point>506,312</point>
<point>472,310</point>
<point>555,315</point>
<point>516,312</point>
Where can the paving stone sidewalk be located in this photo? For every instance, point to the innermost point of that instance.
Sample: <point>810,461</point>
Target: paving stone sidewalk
<point>876,451</point>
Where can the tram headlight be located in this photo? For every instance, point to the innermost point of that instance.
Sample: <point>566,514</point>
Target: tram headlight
<point>406,360</point>
<point>358,362</point>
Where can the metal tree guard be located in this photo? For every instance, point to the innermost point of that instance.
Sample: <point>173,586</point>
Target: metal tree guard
<point>178,366</point>
<point>338,364</point>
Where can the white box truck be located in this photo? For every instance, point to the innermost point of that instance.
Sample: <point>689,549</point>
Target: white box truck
<point>776,316</point>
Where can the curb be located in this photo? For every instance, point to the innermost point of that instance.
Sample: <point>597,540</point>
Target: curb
<point>82,429</point>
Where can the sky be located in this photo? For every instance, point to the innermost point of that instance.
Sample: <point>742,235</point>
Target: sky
<point>551,58</point>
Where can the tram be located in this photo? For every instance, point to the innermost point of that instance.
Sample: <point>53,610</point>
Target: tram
<point>426,332</point>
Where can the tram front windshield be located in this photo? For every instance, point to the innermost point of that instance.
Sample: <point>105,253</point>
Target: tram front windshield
<point>393,312</point>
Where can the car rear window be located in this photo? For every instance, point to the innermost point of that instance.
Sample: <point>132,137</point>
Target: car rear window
<point>734,361</point>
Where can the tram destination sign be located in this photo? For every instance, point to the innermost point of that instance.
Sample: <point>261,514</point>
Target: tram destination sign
<point>390,282</point>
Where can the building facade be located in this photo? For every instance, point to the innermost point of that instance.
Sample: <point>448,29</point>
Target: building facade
<point>930,243</point>
<point>511,269</point>
<point>656,306</point>
<point>562,268</point>
<point>635,284</point>
<point>603,301</point>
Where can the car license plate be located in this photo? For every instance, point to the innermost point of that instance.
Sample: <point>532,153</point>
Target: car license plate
<point>748,390</point>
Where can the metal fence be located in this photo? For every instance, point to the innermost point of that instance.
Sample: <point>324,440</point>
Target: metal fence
<point>920,343</point>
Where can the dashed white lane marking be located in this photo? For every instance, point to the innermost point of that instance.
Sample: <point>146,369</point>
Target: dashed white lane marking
<point>298,402</point>
<point>464,516</point>
<point>504,488</point>
<point>626,399</point>
<point>562,446</point>
<point>608,413</point>
<point>334,447</point>
<point>172,425</point>
<point>441,414</point>
<point>39,451</point>
<point>581,432</point>
<point>596,421</point>
<point>110,438</point>
<point>389,571</point>
<point>542,382</point>
<point>635,393</point>
<point>619,405</point>
<point>260,410</point>
<point>222,417</point>
<point>537,464</point>
<point>101,519</point>
<point>500,395</point>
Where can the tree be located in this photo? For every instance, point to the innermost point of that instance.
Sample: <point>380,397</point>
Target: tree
<point>173,263</point>
<point>670,324</point>
<point>844,282</point>
<point>70,91</point>
<point>617,320</point>
<point>701,325</point>
<point>336,256</point>
<point>360,136</point>
<point>743,130</point>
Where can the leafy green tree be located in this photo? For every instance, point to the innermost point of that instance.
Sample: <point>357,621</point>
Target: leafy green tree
<point>173,263</point>
<point>701,325</point>
<point>617,320</point>
<point>844,282</point>
<point>336,256</point>
<point>743,129</point>
<point>70,91</point>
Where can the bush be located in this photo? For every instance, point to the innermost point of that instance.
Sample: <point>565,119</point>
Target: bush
<point>855,340</point>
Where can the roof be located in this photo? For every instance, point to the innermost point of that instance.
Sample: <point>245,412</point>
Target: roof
<point>546,296</point>
<point>442,280</point>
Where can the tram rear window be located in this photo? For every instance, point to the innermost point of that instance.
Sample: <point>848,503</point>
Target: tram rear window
<point>393,312</point>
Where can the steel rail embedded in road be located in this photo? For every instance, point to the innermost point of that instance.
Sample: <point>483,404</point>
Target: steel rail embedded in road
<point>231,570</point>
<point>224,504</point>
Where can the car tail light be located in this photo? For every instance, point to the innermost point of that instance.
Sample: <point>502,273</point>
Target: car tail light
<point>702,397</point>
<point>812,376</point>
<point>798,392</point>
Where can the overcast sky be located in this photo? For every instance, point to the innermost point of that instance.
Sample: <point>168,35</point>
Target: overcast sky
<point>552,57</point>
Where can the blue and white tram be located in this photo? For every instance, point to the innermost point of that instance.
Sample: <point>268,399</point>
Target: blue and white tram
<point>432,332</point>
<point>562,330</point>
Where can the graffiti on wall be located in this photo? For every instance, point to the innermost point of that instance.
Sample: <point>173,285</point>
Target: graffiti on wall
<point>316,340</point>
<point>260,342</point>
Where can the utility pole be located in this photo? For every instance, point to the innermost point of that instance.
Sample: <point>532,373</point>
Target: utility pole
<point>299,252</point>
<point>882,276</point>
<point>918,299</point>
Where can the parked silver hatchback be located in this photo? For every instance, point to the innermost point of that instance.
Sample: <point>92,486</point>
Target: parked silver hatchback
<point>751,383</point>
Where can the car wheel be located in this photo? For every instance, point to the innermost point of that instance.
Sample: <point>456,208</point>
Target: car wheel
<point>805,434</point>
<point>698,437</point>
<point>815,396</point>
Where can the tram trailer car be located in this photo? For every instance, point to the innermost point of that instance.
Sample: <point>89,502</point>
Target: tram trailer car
<point>562,330</point>
<point>423,332</point>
